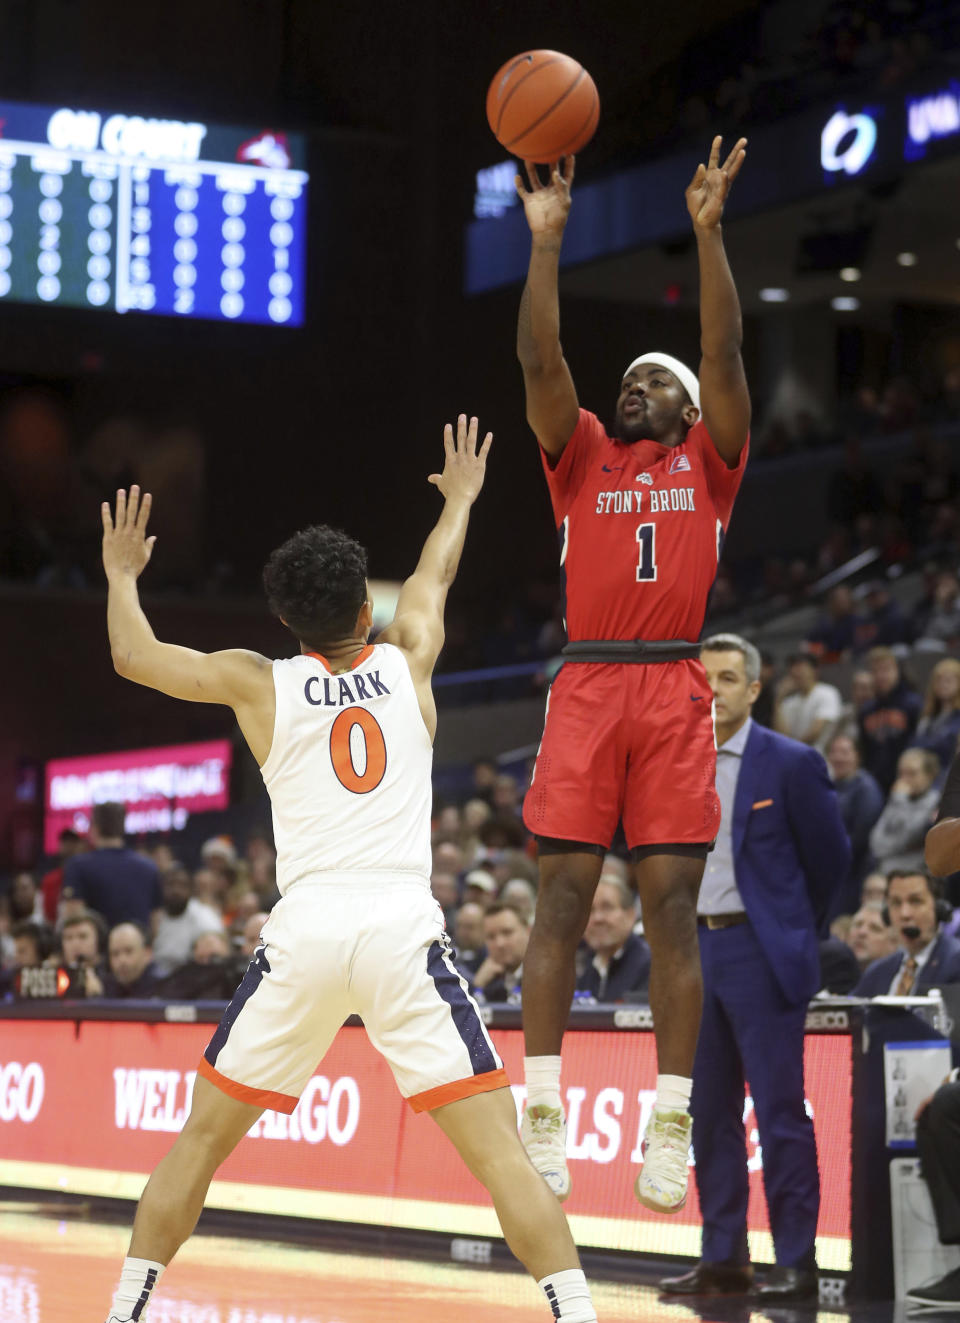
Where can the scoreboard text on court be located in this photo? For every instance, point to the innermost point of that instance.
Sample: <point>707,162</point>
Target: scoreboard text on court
<point>136,214</point>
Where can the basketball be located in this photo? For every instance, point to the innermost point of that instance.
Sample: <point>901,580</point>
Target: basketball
<point>543,105</point>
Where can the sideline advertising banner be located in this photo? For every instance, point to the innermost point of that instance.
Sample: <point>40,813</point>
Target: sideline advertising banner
<point>353,1150</point>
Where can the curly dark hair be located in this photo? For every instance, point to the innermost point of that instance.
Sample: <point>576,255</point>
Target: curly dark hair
<point>317,583</point>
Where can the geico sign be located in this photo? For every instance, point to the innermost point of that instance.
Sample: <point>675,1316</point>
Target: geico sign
<point>160,1100</point>
<point>21,1091</point>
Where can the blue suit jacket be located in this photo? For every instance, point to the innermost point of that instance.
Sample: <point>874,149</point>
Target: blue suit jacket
<point>942,967</point>
<point>791,853</point>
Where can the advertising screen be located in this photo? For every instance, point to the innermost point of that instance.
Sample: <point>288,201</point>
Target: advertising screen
<point>353,1151</point>
<point>160,787</point>
<point>139,214</point>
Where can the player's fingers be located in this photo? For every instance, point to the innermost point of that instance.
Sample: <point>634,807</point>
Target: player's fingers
<point>733,170</point>
<point>121,517</point>
<point>461,433</point>
<point>472,437</point>
<point>485,448</point>
<point>149,544</point>
<point>568,168</point>
<point>143,514</point>
<point>735,151</point>
<point>448,446</point>
<point>106,516</point>
<point>532,175</point>
<point>715,152</point>
<point>434,479</point>
<point>518,185</point>
<point>133,505</point>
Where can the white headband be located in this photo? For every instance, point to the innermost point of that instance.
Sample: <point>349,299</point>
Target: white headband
<point>688,380</point>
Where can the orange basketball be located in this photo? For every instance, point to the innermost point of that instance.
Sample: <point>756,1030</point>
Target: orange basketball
<point>543,105</point>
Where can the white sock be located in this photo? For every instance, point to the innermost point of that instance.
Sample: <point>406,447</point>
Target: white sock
<point>569,1296</point>
<point>138,1277</point>
<point>673,1093</point>
<point>542,1075</point>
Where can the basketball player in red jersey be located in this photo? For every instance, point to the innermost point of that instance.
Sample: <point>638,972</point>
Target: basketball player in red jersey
<point>628,733</point>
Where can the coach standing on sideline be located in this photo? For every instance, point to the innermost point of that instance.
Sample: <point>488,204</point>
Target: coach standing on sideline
<point>781,854</point>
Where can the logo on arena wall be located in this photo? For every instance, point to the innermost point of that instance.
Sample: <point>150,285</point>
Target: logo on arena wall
<point>847,142</point>
<point>21,1091</point>
<point>160,1100</point>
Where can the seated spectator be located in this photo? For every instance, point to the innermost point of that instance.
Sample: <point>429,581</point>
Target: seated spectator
<point>32,943</point>
<point>447,858</point>
<point>82,943</point>
<point>839,970</point>
<point>211,974</point>
<point>246,905</point>
<point>250,938</point>
<point>480,886</point>
<point>118,883</point>
<point>484,775</point>
<point>181,921</point>
<point>807,709</point>
<point>874,890</point>
<point>69,843</point>
<point>446,893</point>
<point>475,813</point>
<point>619,960</point>
<point>939,724</point>
<point>468,947</point>
<point>506,936</point>
<point>211,887</point>
<point>26,899</point>
<point>446,824</point>
<point>926,958</point>
<point>833,635</point>
<point>130,971</point>
<point>881,623</point>
<point>861,803</point>
<point>506,795</point>
<point>870,937</point>
<point>897,838</point>
<point>522,895</point>
<point>887,722</point>
<point>941,622</point>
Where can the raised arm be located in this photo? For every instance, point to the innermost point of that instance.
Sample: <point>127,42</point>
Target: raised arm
<point>417,627</point>
<point>241,680</point>
<point>724,398</point>
<point>552,407</point>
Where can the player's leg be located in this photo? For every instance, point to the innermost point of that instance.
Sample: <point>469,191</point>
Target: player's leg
<point>668,881</point>
<point>483,1128</point>
<point>569,872</point>
<point>173,1198</point>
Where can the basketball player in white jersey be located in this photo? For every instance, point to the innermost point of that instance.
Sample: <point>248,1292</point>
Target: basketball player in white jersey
<point>343,735</point>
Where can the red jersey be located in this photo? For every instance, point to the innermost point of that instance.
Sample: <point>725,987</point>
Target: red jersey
<point>641,528</point>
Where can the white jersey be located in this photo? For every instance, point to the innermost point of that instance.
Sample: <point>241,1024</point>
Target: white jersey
<point>349,769</point>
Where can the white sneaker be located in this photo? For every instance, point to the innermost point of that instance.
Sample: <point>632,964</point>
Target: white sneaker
<point>661,1184</point>
<point>543,1133</point>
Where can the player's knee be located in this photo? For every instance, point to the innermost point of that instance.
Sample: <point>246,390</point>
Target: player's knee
<point>563,909</point>
<point>670,916</point>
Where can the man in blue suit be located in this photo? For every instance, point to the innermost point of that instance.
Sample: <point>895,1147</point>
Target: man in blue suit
<point>781,854</point>
<point>927,957</point>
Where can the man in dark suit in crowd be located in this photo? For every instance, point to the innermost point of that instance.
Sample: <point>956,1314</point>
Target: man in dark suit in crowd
<point>781,854</point>
<point>618,959</point>
<point>927,957</point>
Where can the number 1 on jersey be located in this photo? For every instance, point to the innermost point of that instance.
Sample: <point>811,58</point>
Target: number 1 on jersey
<point>647,567</point>
<point>341,752</point>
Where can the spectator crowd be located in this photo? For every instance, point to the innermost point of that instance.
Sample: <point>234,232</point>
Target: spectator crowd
<point>140,923</point>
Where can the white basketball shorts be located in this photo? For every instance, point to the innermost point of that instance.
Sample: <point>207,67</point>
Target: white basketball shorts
<point>337,947</point>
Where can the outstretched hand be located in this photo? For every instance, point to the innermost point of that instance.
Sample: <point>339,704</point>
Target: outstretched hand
<point>708,189</point>
<point>464,466</point>
<point>126,547</point>
<point>546,205</point>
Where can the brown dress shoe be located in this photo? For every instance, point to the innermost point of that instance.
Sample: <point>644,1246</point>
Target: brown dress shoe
<point>711,1279</point>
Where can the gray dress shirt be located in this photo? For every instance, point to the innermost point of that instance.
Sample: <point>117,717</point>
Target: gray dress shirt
<point>718,890</point>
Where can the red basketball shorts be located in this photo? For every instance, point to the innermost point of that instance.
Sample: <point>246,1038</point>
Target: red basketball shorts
<point>627,741</point>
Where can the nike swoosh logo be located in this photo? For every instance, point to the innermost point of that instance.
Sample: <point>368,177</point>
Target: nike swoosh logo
<point>696,698</point>
<point>617,468</point>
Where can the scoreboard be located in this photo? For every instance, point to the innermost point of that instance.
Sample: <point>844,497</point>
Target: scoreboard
<point>134,214</point>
